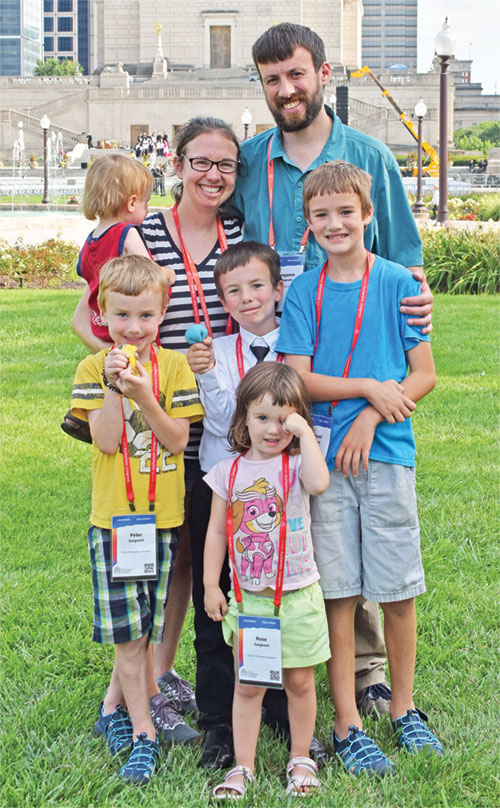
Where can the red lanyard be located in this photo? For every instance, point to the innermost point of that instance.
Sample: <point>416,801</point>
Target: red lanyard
<point>239,356</point>
<point>153,450</point>
<point>282,540</point>
<point>193,279</point>
<point>357,323</point>
<point>270,188</point>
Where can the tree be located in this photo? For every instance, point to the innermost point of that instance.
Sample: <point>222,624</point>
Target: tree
<point>56,67</point>
<point>483,136</point>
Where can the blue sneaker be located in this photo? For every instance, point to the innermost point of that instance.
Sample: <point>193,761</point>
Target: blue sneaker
<point>360,754</point>
<point>119,731</point>
<point>102,722</point>
<point>141,764</point>
<point>414,736</point>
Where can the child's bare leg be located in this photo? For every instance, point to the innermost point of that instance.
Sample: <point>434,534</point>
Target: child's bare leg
<point>131,666</point>
<point>400,628</point>
<point>114,694</point>
<point>179,595</point>
<point>247,709</point>
<point>301,692</point>
<point>340,667</point>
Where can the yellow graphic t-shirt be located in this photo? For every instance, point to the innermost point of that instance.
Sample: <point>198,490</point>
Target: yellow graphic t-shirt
<point>179,399</point>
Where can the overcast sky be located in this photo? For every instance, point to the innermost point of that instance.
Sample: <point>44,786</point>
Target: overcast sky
<point>476,26</point>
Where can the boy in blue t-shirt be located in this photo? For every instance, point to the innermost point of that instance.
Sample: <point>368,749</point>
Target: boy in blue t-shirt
<point>343,332</point>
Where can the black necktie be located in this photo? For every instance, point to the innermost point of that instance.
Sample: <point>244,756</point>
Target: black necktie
<point>260,352</point>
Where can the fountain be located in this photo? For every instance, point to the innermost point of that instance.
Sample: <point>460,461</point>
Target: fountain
<point>21,185</point>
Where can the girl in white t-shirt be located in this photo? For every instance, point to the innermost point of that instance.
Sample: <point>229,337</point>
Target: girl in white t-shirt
<point>267,488</point>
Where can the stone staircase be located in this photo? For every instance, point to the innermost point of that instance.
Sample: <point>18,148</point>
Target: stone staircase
<point>32,124</point>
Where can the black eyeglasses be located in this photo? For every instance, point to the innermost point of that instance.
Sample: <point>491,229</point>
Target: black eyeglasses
<point>204,164</point>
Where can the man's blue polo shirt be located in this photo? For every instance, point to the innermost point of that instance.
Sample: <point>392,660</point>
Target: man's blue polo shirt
<point>392,233</point>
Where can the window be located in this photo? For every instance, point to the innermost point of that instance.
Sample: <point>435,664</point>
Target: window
<point>48,5</point>
<point>48,43</point>
<point>65,24</point>
<point>65,5</point>
<point>48,24</point>
<point>65,44</point>
<point>10,23</point>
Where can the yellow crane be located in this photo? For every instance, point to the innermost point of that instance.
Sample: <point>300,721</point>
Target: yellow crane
<point>431,164</point>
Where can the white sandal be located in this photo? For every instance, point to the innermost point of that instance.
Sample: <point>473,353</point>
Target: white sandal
<point>296,782</point>
<point>234,791</point>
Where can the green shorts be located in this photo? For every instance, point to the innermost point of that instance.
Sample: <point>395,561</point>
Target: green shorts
<point>304,630</point>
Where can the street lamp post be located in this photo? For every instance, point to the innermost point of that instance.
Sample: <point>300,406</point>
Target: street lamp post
<point>246,120</point>
<point>444,46</point>
<point>419,209</point>
<point>45,124</point>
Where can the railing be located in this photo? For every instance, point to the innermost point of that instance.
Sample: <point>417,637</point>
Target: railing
<point>198,91</point>
<point>33,186</point>
<point>41,81</point>
<point>33,124</point>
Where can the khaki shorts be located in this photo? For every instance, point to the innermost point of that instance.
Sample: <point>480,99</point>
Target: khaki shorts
<point>366,535</point>
<point>304,630</point>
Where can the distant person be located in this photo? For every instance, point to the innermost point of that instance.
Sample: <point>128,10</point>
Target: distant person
<point>89,142</point>
<point>151,397</point>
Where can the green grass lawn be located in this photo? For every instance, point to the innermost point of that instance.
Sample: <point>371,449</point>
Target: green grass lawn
<point>53,676</point>
<point>19,199</point>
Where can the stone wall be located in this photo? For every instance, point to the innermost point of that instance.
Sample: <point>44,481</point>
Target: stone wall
<point>108,113</point>
<point>127,28</point>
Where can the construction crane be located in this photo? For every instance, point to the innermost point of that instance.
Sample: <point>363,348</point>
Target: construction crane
<point>431,164</point>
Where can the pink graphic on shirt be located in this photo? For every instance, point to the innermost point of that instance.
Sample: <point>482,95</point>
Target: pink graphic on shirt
<point>256,512</point>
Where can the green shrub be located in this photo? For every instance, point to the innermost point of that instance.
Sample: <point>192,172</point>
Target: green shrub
<point>464,159</point>
<point>50,264</point>
<point>460,261</point>
<point>482,207</point>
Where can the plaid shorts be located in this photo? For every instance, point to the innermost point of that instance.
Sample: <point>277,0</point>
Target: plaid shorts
<point>127,610</point>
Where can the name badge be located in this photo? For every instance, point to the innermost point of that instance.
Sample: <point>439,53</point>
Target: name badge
<point>259,651</point>
<point>134,554</point>
<point>292,265</point>
<point>322,429</point>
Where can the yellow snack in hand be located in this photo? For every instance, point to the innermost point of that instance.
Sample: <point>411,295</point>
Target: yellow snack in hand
<point>131,352</point>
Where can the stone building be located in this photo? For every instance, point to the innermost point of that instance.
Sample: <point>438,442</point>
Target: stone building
<point>165,62</point>
<point>208,35</point>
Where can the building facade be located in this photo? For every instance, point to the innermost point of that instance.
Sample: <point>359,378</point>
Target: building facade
<point>213,34</point>
<point>20,36</point>
<point>389,34</point>
<point>68,31</point>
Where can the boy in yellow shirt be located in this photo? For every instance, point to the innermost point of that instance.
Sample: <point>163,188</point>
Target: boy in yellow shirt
<point>139,406</point>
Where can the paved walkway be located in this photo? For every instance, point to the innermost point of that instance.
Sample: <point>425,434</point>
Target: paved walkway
<point>36,227</point>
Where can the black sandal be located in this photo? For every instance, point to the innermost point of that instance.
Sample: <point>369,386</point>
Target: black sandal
<point>76,427</point>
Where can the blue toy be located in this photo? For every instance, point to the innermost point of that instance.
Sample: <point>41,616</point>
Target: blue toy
<point>196,333</point>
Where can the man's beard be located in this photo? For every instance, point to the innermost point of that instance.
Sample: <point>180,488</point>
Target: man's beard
<point>314,105</point>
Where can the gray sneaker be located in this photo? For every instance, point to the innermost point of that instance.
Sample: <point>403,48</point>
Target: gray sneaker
<point>374,700</point>
<point>169,725</point>
<point>180,694</point>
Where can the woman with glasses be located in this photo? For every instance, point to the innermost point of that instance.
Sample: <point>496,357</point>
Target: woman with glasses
<point>188,238</point>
